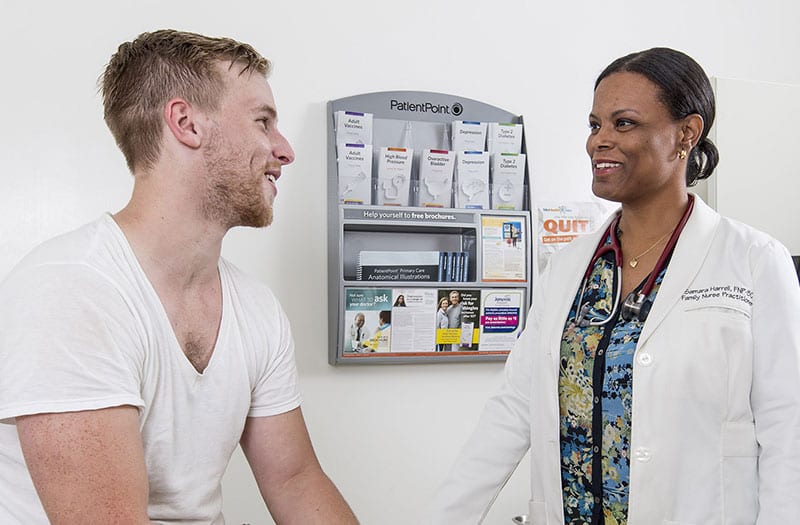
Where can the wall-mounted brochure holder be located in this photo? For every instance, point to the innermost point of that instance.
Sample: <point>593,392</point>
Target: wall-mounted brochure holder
<point>429,229</point>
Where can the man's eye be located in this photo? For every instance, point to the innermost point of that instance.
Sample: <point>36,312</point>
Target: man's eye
<point>264,122</point>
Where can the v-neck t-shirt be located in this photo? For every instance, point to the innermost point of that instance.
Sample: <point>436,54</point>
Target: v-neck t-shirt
<point>81,328</point>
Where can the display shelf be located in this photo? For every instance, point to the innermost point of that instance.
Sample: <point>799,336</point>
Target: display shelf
<point>486,252</point>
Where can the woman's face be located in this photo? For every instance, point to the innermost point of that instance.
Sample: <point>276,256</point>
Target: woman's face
<point>444,303</point>
<point>633,141</point>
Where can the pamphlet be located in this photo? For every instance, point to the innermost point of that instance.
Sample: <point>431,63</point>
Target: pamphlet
<point>504,138</point>
<point>469,135</point>
<point>436,178</point>
<point>458,320</point>
<point>508,181</point>
<point>355,174</point>
<point>353,127</point>
<point>472,179</point>
<point>394,176</point>
<point>503,244</point>
<point>367,320</point>
<point>501,318</point>
<point>413,326</point>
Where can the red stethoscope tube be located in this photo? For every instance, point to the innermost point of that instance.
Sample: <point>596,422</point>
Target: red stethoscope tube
<point>634,299</point>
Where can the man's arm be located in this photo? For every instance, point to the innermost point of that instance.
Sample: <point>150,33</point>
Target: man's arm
<point>287,472</point>
<point>88,466</point>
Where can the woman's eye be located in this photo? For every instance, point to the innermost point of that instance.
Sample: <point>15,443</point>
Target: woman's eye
<point>593,126</point>
<point>623,123</point>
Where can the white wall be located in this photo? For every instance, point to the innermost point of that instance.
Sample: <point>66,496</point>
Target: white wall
<point>386,434</point>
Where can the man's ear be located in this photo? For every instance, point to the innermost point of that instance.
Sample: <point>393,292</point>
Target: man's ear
<point>181,119</point>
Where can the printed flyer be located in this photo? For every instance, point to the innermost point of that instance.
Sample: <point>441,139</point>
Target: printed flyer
<point>367,320</point>
<point>413,326</point>
<point>503,245</point>
<point>501,318</point>
<point>458,320</point>
<point>559,224</point>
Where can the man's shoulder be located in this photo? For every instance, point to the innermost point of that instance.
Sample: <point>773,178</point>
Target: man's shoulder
<point>77,246</point>
<point>79,250</point>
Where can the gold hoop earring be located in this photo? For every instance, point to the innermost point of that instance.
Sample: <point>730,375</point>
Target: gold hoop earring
<point>682,154</point>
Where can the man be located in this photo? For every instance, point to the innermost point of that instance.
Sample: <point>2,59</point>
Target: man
<point>358,334</point>
<point>133,358</point>
<point>454,314</point>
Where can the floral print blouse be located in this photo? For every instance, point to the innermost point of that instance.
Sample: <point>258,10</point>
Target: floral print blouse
<point>595,398</point>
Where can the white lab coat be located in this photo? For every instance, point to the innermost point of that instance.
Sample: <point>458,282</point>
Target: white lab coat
<point>716,391</point>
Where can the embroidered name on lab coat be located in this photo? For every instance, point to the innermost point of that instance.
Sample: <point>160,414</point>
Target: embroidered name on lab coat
<point>721,296</point>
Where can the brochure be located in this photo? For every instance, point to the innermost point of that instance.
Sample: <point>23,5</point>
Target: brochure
<point>501,318</point>
<point>353,127</point>
<point>504,138</point>
<point>394,176</point>
<point>472,180</point>
<point>458,320</point>
<point>503,245</point>
<point>508,181</point>
<point>413,326</point>
<point>367,320</point>
<point>469,135</point>
<point>436,178</point>
<point>355,174</point>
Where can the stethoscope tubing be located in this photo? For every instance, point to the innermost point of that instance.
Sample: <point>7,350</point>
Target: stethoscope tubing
<point>616,248</point>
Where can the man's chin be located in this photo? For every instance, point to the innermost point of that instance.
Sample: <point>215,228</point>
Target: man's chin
<point>256,219</point>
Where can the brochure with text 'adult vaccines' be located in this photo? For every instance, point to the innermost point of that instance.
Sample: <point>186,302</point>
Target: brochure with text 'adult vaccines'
<point>355,174</point>
<point>353,127</point>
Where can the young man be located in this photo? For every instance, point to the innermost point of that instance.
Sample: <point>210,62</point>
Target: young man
<point>133,358</point>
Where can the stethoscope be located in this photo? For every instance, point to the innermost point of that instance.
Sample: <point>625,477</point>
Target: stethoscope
<point>636,305</point>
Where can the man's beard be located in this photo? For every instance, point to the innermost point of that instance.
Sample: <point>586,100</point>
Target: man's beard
<point>233,197</point>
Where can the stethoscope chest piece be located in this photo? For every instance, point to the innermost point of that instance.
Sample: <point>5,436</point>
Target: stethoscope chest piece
<point>636,307</point>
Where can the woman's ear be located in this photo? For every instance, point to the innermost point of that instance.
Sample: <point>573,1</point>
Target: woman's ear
<point>181,119</point>
<point>692,130</point>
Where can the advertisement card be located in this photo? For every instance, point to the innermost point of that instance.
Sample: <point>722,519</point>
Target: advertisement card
<point>503,244</point>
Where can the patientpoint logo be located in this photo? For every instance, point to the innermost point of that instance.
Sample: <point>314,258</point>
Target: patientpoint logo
<point>426,107</point>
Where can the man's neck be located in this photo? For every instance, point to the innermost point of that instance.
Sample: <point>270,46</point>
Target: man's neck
<point>174,244</point>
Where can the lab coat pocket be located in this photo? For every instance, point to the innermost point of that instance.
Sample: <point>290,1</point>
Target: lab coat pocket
<point>537,512</point>
<point>740,472</point>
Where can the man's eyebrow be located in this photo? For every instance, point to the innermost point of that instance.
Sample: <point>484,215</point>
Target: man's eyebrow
<point>269,110</point>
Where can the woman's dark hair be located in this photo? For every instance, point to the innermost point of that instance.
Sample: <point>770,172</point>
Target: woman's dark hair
<point>685,90</point>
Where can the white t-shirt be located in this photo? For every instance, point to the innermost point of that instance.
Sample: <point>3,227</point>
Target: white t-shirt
<point>82,328</point>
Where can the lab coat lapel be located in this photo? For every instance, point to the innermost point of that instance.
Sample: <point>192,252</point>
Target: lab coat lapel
<point>687,258</point>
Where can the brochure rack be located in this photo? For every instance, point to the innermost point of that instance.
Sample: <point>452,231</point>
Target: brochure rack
<point>410,284</point>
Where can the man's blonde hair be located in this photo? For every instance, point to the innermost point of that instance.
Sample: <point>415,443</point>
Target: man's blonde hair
<point>155,67</point>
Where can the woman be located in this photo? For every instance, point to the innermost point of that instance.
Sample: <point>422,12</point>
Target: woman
<point>442,321</point>
<point>657,379</point>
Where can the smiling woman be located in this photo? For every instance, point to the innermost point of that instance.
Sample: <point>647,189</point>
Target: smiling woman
<point>661,375</point>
